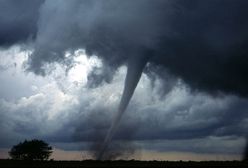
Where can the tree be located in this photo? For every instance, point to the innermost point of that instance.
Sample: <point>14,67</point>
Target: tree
<point>31,150</point>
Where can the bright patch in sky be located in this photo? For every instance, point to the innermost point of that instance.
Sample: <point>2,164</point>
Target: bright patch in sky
<point>83,65</point>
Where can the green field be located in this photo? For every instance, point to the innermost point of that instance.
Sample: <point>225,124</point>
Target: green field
<point>91,164</point>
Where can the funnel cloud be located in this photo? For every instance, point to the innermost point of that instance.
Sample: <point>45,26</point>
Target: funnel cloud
<point>134,71</point>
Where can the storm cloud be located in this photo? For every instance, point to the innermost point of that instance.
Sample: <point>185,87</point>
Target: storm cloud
<point>196,55</point>
<point>18,20</point>
<point>204,43</point>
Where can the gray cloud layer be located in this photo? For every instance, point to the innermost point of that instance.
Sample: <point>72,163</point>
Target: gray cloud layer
<point>18,20</point>
<point>204,43</point>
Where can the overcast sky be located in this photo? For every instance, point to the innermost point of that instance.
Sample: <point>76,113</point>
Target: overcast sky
<point>63,66</point>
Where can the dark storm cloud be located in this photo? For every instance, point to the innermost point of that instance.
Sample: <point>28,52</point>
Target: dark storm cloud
<point>18,20</point>
<point>202,42</point>
<point>193,118</point>
<point>99,75</point>
<point>208,46</point>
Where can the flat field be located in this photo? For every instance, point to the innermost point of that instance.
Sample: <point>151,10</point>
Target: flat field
<point>109,164</point>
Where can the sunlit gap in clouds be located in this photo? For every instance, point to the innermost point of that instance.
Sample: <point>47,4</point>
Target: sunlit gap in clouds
<point>62,86</point>
<point>15,59</point>
<point>83,65</point>
<point>76,74</point>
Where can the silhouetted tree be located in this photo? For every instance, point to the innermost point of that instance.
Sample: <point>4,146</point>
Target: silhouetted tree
<point>31,150</point>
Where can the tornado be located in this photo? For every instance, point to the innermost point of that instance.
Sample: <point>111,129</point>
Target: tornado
<point>134,70</point>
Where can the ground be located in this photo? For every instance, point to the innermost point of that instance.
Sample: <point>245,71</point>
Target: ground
<point>132,163</point>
